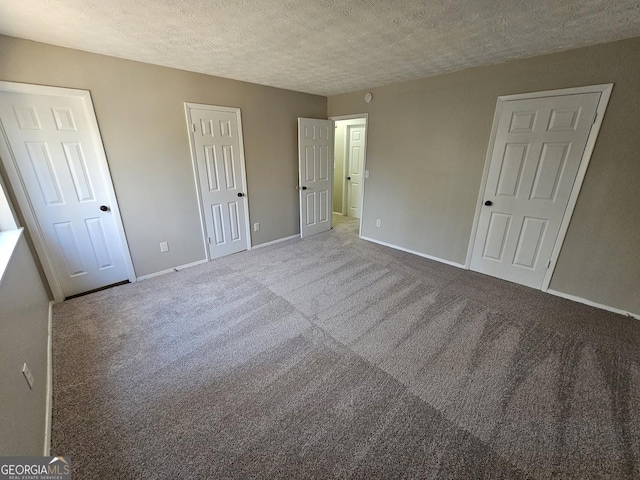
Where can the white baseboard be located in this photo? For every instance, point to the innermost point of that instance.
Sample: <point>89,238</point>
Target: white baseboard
<point>593,304</point>
<point>424,255</point>
<point>273,242</point>
<point>49,400</point>
<point>170,270</point>
<point>552,292</point>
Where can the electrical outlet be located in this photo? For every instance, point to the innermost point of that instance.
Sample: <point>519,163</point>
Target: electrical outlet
<point>164,247</point>
<point>256,227</point>
<point>366,174</point>
<point>27,375</point>
<point>377,222</point>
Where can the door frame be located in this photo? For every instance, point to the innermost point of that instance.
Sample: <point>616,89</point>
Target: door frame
<point>605,91</point>
<point>355,116</point>
<point>24,204</point>
<point>188,106</point>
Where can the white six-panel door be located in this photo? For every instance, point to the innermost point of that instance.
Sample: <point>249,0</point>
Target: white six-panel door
<point>58,162</point>
<point>537,152</point>
<point>219,156</point>
<point>355,169</point>
<point>315,156</point>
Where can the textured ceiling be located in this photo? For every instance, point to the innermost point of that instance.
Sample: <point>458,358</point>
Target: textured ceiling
<point>322,46</point>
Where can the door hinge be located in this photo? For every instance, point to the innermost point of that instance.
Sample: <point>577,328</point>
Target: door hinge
<point>549,264</point>
<point>595,115</point>
<point>193,127</point>
<point>209,239</point>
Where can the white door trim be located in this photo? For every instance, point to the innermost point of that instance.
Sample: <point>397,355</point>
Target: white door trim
<point>605,91</point>
<point>345,168</point>
<point>364,116</point>
<point>194,163</point>
<point>21,194</point>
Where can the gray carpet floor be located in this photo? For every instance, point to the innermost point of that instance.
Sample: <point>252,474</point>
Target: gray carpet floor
<point>332,357</point>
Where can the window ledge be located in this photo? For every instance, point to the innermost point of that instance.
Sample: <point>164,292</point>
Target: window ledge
<point>8,243</point>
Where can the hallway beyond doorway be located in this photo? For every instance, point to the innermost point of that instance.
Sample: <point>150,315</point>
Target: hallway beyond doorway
<point>344,224</point>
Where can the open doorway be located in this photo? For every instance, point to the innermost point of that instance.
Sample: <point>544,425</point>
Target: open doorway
<point>349,168</point>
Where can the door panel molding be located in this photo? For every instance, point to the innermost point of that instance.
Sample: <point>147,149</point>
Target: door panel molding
<point>521,123</point>
<point>348,161</point>
<point>19,189</point>
<point>315,174</point>
<point>213,176</point>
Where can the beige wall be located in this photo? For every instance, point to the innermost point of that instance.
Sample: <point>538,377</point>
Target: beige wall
<point>140,110</point>
<point>426,151</point>
<point>24,308</point>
